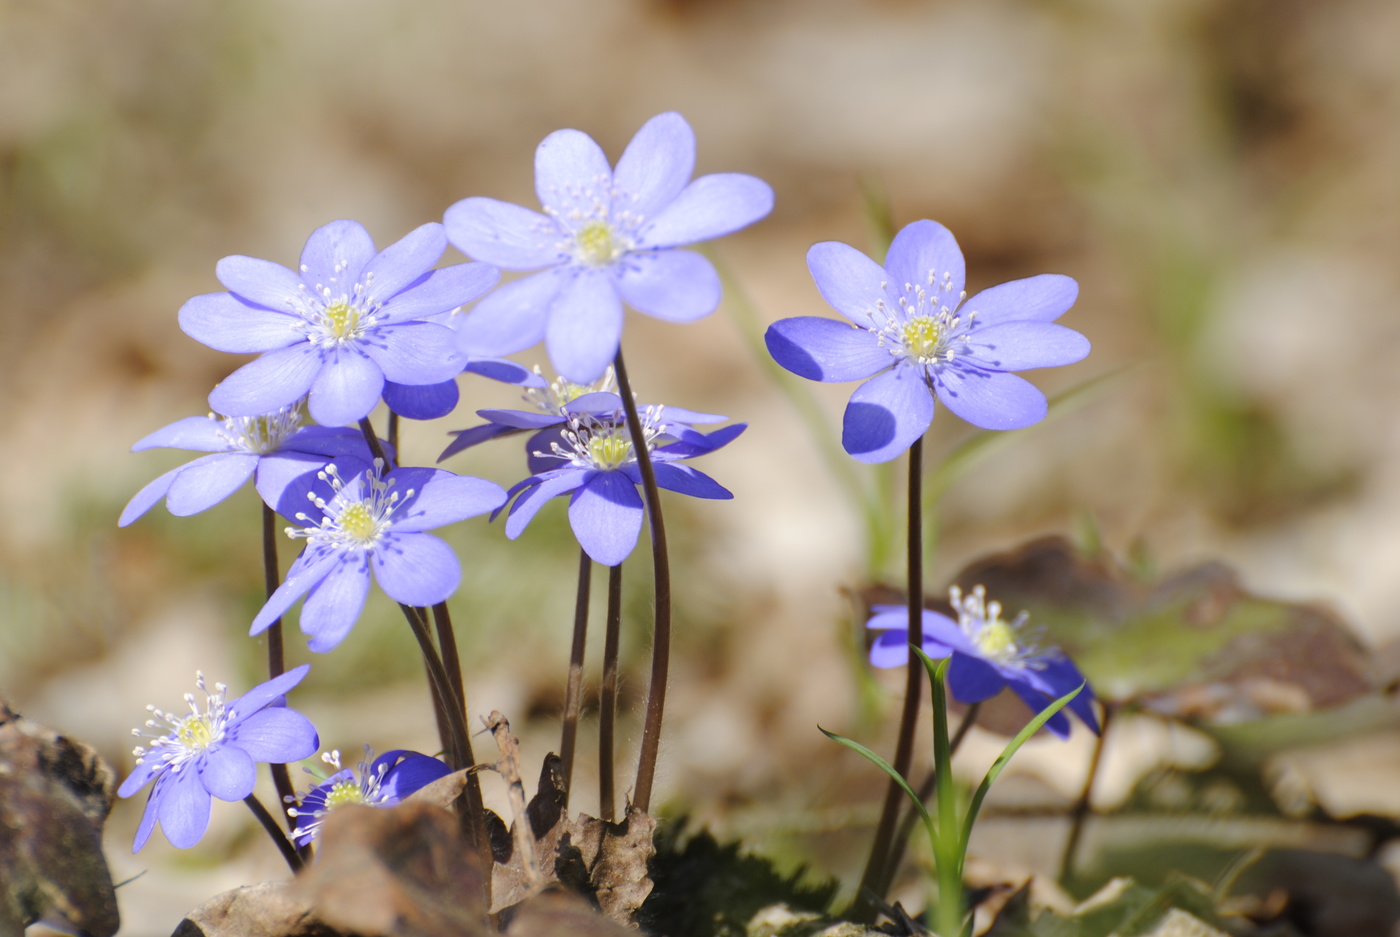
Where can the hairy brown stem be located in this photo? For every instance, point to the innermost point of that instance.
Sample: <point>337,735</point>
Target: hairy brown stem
<point>269,824</point>
<point>607,714</point>
<point>573,690</point>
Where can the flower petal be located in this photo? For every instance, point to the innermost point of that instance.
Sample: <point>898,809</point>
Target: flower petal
<point>826,349</point>
<point>412,773</point>
<point>146,498</point>
<point>511,318</point>
<point>923,248</point>
<point>585,327</point>
<point>333,605</point>
<point>414,352</point>
<point>1018,346</point>
<point>267,693</point>
<point>228,772</point>
<point>466,438</point>
<point>422,401</point>
<point>226,323</point>
<point>346,389</point>
<point>1062,676</point>
<point>208,480</point>
<point>183,808</point>
<point>197,433</point>
<point>677,286</point>
<point>525,507</point>
<point>521,419</point>
<point>886,414</point>
<point>505,371</point>
<point>606,516</point>
<point>1041,298</point>
<point>306,571</point>
<point>276,735</point>
<point>441,291</point>
<point>335,254</point>
<point>148,823</point>
<point>709,207</point>
<point>972,680</point>
<point>503,234</point>
<point>688,481</point>
<point>850,282</point>
<point>262,385</point>
<point>571,176</point>
<point>990,399</point>
<point>656,165</point>
<point>442,498</point>
<point>404,262</point>
<point>1037,701</point>
<point>262,282</point>
<point>891,649</point>
<point>694,443</point>
<point>416,569</point>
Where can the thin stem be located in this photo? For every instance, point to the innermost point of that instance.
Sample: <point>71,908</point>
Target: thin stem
<point>372,440</point>
<point>661,569</point>
<point>864,909</point>
<point>394,430</point>
<point>451,660</point>
<point>1080,813</point>
<point>284,845</point>
<point>607,715</point>
<point>573,691</point>
<point>276,661</point>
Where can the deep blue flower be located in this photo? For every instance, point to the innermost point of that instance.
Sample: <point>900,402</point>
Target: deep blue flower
<point>274,449</point>
<point>606,237</point>
<point>915,339</point>
<point>431,401</point>
<point>597,467</point>
<point>381,782</point>
<point>366,521</point>
<point>987,655</point>
<point>212,752</point>
<point>348,320</point>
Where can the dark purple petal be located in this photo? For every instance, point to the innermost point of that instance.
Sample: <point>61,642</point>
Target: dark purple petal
<point>333,604</point>
<point>571,176</point>
<point>335,255</point>
<point>826,349</point>
<point>226,323</point>
<point>307,570</point>
<point>891,648</point>
<point>284,480</point>
<point>264,384</point>
<point>148,496</point>
<point>539,450</point>
<point>1042,298</point>
<point>441,291</point>
<point>919,249</point>
<point>1037,701</point>
<point>656,165</point>
<point>674,285</point>
<point>511,318</point>
<point>227,772</point>
<point>1019,346</point>
<point>521,419</point>
<point>415,352</point>
<point>183,808</point>
<point>524,509</point>
<point>276,735</point>
<point>505,371</point>
<point>208,480</point>
<point>1062,676</point>
<point>991,399</point>
<point>709,207</point>
<point>422,401</point>
<point>972,680</point>
<point>263,282</point>
<point>606,516</point>
<point>688,481</point>
<point>503,234</point>
<point>696,444</point>
<point>442,498</point>
<point>330,441</point>
<point>402,263</point>
<point>346,389</point>
<point>415,569</point>
<point>850,282</point>
<point>585,327</point>
<point>197,433</point>
<point>466,438</point>
<point>886,414</point>
<point>410,774</point>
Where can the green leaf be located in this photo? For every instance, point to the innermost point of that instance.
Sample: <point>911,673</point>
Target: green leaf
<point>886,767</point>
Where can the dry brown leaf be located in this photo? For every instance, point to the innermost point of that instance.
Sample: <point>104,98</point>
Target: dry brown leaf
<point>268,909</point>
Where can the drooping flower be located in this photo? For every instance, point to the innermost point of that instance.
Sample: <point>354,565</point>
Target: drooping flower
<point>368,520</point>
<point>606,237</point>
<point>374,782</point>
<point>599,471</point>
<point>348,320</point>
<point>915,338</point>
<point>274,449</point>
<point>431,401</point>
<point>988,654</point>
<point>212,752</point>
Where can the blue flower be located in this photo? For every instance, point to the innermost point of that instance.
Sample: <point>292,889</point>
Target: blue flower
<point>607,237</point>
<point>431,401</point>
<point>348,320</point>
<point>212,752</point>
<point>381,782</point>
<point>274,449</point>
<point>987,655</point>
<point>915,338</point>
<point>377,522</point>
<point>601,475</point>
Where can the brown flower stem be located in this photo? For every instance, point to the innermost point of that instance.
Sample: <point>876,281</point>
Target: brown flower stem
<point>607,715</point>
<point>269,824</point>
<point>1082,806</point>
<point>573,690</point>
<point>451,660</point>
<point>394,431</point>
<point>661,570</point>
<point>276,661</point>
<point>864,909</point>
<point>375,446</point>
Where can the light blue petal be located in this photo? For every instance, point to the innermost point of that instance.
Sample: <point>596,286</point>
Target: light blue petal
<point>335,254</point>
<point>183,807</point>
<point>524,509</point>
<point>991,399</point>
<point>226,323</point>
<point>850,282</point>
<point>1042,298</point>
<point>923,248</point>
<point>677,286</point>
<point>262,282</point>
<point>416,569</point>
<point>346,389</point>
<point>503,234</point>
<point>606,517</point>
<point>1019,346</point>
<point>403,263</point>
<point>709,207</point>
<point>826,349</point>
<point>512,318</point>
<point>415,352</point>
<point>571,177</point>
<point>308,569</point>
<point>267,383</point>
<point>656,165</point>
<point>228,772</point>
<point>266,694</point>
<point>886,414</point>
<point>146,498</point>
<point>276,735</point>
<point>441,498</point>
<point>585,327</point>
<point>333,605</point>
<point>688,481</point>
<point>208,480</point>
<point>148,822</point>
<point>443,291</point>
<point>197,433</point>
<point>505,371</point>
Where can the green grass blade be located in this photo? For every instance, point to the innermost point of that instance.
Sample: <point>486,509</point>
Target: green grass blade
<point>886,767</point>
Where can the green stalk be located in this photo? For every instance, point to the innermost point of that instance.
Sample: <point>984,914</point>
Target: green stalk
<point>948,856</point>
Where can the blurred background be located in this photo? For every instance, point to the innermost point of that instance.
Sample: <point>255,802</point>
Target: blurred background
<point>1220,176</point>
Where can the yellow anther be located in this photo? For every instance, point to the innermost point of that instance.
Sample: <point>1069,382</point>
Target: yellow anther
<point>921,336</point>
<point>596,244</point>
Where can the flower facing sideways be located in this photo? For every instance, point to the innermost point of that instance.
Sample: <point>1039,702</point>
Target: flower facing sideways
<point>212,752</point>
<point>374,782</point>
<point>988,654</point>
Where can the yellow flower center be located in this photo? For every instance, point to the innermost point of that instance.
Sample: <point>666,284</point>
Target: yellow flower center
<point>596,244</point>
<point>195,732</point>
<point>344,792</point>
<point>921,336</point>
<point>342,320</point>
<point>357,521</point>
<point>609,451</point>
<point>996,639</point>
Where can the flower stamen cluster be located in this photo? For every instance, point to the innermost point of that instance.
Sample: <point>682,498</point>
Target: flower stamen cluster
<point>364,786</point>
<point>560,392</point>
<point>182,737</point>
<point>1005,642</point>
<point>354,518</point>
<point>261,435</point>
<point>594,442</point>
<point>333,315</point>
<point>924,328</point>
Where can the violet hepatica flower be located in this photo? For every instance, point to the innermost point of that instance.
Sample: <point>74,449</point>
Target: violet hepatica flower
<point>374,782</point>
<point>367,521</point>
<point>606,237</point>
<point>431,401</point>
<point>912,337</point>
<point>273,449</point>
<point>988,654</point>
<point>597,467</point>
<point>338,327</point>
<point>212,752</point>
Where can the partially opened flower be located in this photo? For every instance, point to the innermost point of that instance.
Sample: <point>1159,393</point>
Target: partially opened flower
<point>338,327</point>
<point>598,469</point>
<point>606,237</point>
<point>374,782</point>
<point>912,338</point>
<point>211,752</point>
<point>431,401</point>
<point>367,522</point>
<point>988,654</point>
